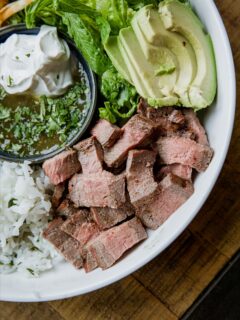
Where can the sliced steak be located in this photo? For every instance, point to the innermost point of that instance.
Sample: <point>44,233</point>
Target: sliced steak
<point>62,166</point>
<point>106,133</point>
<point>81,227</point>
<point>194,126</point>
<point>90,155</point>
<point>66,208</point>
<point>66,245</point>
<point>108,217</point>
<point>58,193</point>
<point>98,190</point>
<point>136,131</point>
<point>167,120</point>
<point>184,151</point>
<point>110,245</point>
<point>90,262</point>
<point>184,172</point>
<point>140,180</point>
<point>172,193</point>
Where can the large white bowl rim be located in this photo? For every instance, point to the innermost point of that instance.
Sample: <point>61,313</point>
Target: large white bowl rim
<point>64,281</point>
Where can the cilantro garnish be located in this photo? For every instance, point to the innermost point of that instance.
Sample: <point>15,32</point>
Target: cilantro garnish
<point>48,123</point>
<point>12,202</point>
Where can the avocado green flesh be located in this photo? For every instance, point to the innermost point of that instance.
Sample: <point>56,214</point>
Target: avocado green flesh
<point>146,69</point>
<point>114,53</point>
<point>148,22</point>
<point>167,56</point>
<point>179,18</point>
<point>139,84</point>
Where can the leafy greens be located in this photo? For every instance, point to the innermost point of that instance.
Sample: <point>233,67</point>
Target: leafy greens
<point>90,23</point>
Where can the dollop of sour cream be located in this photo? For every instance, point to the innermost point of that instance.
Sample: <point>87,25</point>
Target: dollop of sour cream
<point>37,64</point>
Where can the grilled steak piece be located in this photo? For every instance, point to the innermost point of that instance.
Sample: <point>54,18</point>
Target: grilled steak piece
<point>64,244</point>
<point>184,151</point>
<point>90,155</point>
<point>81,227</point>
<point>184,172</point>
<point>62,166</point>
<point>108,217</point>
<point>140,180</point>
<point>110,245</point>
<point>98,190</point>
<point>167,120</point>
<point>136,131</point>
<point>171,194</point>
<point>66,208</point>
<point>106,133</point>
<point>57,194</point>
<point>89,262</point>
<point>194,126</point>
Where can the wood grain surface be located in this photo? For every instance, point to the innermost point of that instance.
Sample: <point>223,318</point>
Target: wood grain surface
<point>169,285</point>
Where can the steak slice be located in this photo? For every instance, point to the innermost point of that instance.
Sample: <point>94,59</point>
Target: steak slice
<point>184,151</point>
<point>90,155</point>
<point>140,180</point>
<point>167,120</point>
<point>98,190</point>
<point>106,133</point>
<point>136,131</point>
<point>57,194</point>
<point>110,245</point>
<point>62,166</point>
<point>66,208</point>
<point>89,262</point>
<point>194,126</point>
<point>172,193</point>
<point>108,217</point>
<point>184,172</point>
<point>81,227</point>
<point>64,244</point>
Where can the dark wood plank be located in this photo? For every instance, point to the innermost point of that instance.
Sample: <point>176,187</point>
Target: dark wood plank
<point>221,300</point>
<point>126,299</point>
<point>29,311</point>
<point>180,274</point>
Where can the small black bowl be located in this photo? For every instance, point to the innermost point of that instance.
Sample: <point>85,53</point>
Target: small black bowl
<point>5,33</point>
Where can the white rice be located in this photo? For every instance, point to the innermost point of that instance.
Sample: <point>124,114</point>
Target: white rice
<point>24,213</point>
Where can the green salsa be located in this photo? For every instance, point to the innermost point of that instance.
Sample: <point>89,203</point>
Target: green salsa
<point>36,125</point>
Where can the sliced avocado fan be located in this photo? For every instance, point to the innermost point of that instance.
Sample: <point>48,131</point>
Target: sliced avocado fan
<point>179,18</point>
<point>167,55</point>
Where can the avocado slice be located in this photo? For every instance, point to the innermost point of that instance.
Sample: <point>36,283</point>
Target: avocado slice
<point>150,30</point>
<point>179,18</point>
<point>114,53</point>
<point>145,70</point>
<point>137,82</point>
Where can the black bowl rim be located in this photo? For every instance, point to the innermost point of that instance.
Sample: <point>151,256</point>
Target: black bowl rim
<point>38,159</point>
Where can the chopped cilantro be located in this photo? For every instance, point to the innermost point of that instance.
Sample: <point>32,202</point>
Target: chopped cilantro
<point>10,81</point>
<point>4,112</point>
<point>31,271</point>
<point>12,202</point>
<point>51,122</point>
<point>28,55</point>
<point>17,57</point>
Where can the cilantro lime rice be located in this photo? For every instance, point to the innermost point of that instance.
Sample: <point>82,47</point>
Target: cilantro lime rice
<point>24,213</point>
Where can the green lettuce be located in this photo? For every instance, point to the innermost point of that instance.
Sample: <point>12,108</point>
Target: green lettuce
<point>90,23</point>
<point>122,97</point>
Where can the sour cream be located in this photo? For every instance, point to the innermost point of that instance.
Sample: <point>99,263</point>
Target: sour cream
<point>38,64</point>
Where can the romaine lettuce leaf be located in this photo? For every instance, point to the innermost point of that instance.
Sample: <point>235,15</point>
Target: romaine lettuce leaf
<point>89,23</point>
<point>88,41</point>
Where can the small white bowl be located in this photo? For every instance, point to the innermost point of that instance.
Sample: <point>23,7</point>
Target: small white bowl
<point>64,281</point>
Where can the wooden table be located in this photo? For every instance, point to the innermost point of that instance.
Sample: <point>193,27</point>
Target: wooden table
<point>167,287</point>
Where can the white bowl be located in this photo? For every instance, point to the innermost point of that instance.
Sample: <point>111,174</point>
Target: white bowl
<point>64,281</point>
